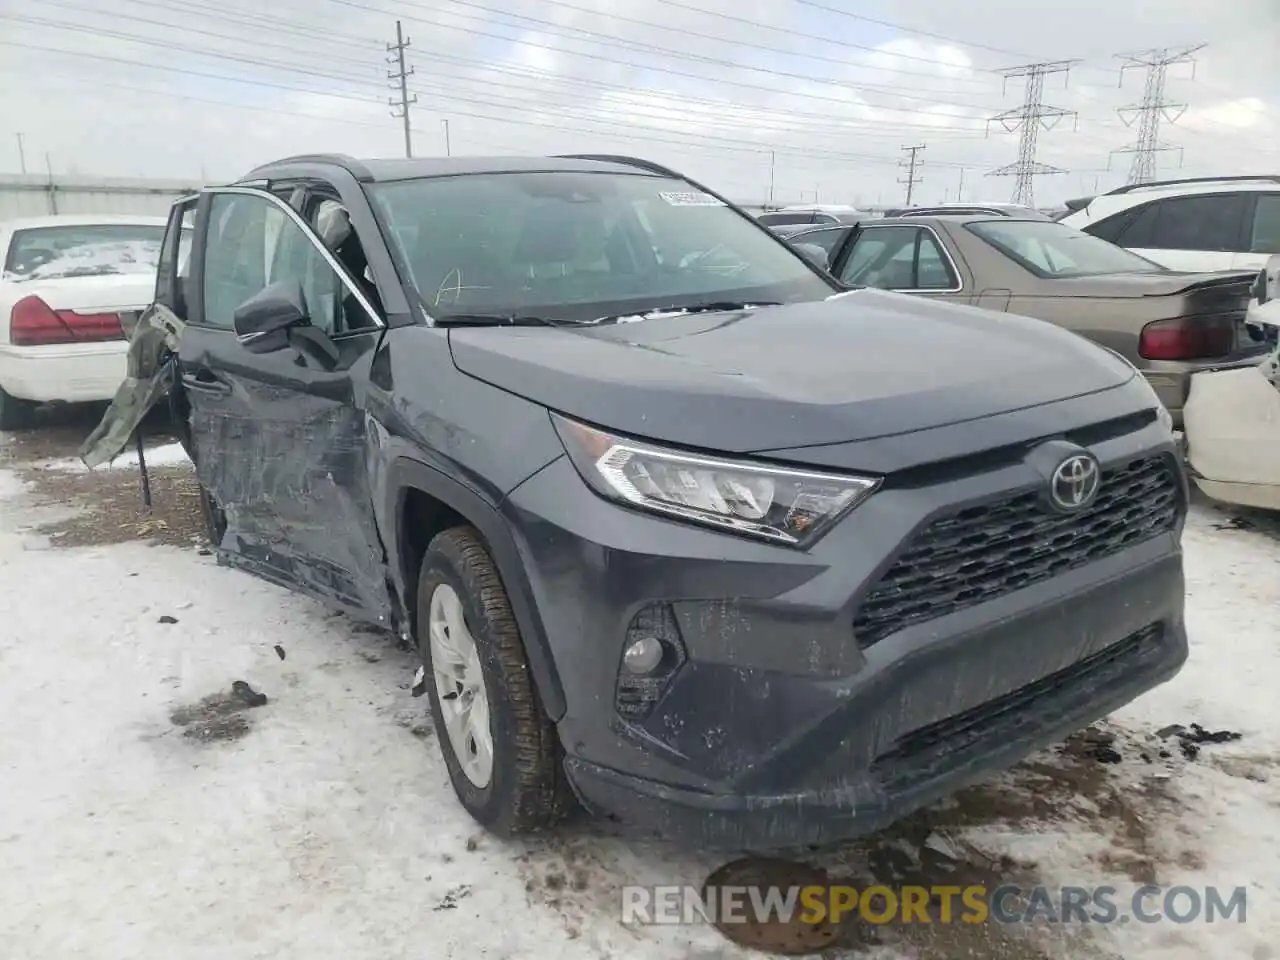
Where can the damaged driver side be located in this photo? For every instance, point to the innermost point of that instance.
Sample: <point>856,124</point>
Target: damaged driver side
<point>261,339</point>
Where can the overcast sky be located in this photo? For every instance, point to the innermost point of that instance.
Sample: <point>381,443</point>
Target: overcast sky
<point>205,89</point>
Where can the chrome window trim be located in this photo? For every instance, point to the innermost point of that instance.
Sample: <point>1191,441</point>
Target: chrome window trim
<point>307,231</point>
<point>955,270</point>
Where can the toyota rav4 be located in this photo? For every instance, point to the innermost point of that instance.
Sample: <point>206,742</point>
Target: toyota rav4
<point>682,529</point>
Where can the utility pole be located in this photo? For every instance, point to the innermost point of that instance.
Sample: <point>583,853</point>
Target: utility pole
<point>401,76</point>
<point>773,159</point>
<point>960,189</point>
<point>1028,120</point>
<point>448,152</point>
<point>911,164</point>
<point>22,154</point>
<point>1153,108</point>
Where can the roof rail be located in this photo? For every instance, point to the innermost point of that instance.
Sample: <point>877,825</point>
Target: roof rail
<point>1130,187</point>
<point>619,158</point>
<point>350,164</point>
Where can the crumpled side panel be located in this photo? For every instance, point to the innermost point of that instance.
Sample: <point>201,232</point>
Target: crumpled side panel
<point>301,511</point>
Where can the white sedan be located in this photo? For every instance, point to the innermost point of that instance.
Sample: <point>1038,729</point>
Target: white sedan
<point>70,289</point>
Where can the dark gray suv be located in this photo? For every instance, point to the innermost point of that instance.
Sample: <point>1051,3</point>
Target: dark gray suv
<point>681,528</point>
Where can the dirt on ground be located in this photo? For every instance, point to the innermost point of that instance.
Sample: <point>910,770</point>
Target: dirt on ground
<point>106,505</point>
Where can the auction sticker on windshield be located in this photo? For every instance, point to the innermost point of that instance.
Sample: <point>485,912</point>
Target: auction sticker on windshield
<point>690,199</point>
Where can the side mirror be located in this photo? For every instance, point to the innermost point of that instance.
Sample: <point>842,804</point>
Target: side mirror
<point>264,321</point>
<point>812,251</point>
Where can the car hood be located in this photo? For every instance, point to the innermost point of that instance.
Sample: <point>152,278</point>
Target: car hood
<point>858,365</point>
<point>1153,284</point>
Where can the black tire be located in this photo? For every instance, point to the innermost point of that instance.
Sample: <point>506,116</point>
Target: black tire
<point>527,791</point>
<point>15,414</point>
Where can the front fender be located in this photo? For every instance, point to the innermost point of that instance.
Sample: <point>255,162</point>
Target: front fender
<point>404,474</point>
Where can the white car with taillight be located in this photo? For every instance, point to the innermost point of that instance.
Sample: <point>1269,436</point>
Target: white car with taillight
<point>70,289</point>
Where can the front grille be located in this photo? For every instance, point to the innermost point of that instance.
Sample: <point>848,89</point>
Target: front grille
<point>927,751</point>
<point>986,551</point>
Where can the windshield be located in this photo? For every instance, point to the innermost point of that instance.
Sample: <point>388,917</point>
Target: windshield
<point>47,253</point>
<point>1056,251</point>
<point>582,246</point>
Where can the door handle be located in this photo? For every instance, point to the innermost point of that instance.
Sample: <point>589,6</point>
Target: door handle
<point>205,381</point>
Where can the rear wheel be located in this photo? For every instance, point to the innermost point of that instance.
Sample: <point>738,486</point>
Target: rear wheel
<point>501,750</point>
<point>15,414</point>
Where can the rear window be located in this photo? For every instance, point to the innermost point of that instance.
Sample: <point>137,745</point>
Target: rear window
<point>1054,250</point>
<point>47,253</point>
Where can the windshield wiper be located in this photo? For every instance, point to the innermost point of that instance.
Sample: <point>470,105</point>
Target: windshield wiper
<point>502,320</point>
<point>711,306</point>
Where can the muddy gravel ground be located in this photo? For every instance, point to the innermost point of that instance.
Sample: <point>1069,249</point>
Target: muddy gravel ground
<point>104,506</point>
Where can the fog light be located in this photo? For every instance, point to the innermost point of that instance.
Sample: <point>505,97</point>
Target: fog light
<point>642,656</point>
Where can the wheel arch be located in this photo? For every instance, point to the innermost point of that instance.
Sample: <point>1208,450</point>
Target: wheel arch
<point>422,500</point>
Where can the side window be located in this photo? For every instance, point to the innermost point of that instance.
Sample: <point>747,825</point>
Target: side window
<point>1210,222</point>
<point>173,270</point>
<point>898,258</point>
<point>1115,225</point>
<point>933,272</point>
<point>828,240</point>
<point>251,244</point>
<point>1265,237</point>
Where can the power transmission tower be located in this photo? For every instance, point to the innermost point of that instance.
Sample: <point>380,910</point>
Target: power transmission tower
<point>1153,108</point>
<point>401,76</point>
<point>1029,119</point>
<point>911,164</point>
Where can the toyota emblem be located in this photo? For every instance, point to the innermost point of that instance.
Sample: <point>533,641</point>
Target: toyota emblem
<point>1075,483</point>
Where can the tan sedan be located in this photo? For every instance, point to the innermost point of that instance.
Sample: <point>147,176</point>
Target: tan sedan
<point>1168,325</point>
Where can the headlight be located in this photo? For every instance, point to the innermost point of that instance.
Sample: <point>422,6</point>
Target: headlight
<point>772,503</point>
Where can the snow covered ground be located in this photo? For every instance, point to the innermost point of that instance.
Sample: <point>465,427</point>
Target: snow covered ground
<point>322,824</point>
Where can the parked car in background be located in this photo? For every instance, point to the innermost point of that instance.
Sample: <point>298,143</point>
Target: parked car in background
<point>681,527</point>
<point>958,209</point>
<point>790,219</point>
<point>70,289</point>
<point>1232,422</point>
<point>1205,223</point>
<point>1167,324</point>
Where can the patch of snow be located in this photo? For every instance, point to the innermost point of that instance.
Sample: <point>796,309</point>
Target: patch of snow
<point>11,485</point>
<point>166,455</point>
<point>96,259</point>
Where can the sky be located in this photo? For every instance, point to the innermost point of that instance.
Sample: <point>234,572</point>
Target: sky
<point>798,100</point>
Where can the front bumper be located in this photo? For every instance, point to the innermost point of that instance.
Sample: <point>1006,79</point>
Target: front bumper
<point>75,373</point>
<point>780,728</point>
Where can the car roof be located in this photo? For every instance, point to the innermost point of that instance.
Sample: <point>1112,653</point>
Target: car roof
<point>82,220</point>
<point>389,170</point>
<point>1131,195</point>
<point>949,218</point>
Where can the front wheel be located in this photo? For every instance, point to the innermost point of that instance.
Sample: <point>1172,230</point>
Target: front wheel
<point>500,748</point>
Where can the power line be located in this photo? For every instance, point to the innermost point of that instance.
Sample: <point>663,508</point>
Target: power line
<point>598,128</point>
<point>401,76</point>
<point>601,39</point>
<point>1153,109</point>
<point>912,179</point>
<point>807,55</point>
<point>1028,120</point>
<point>785,121</point>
